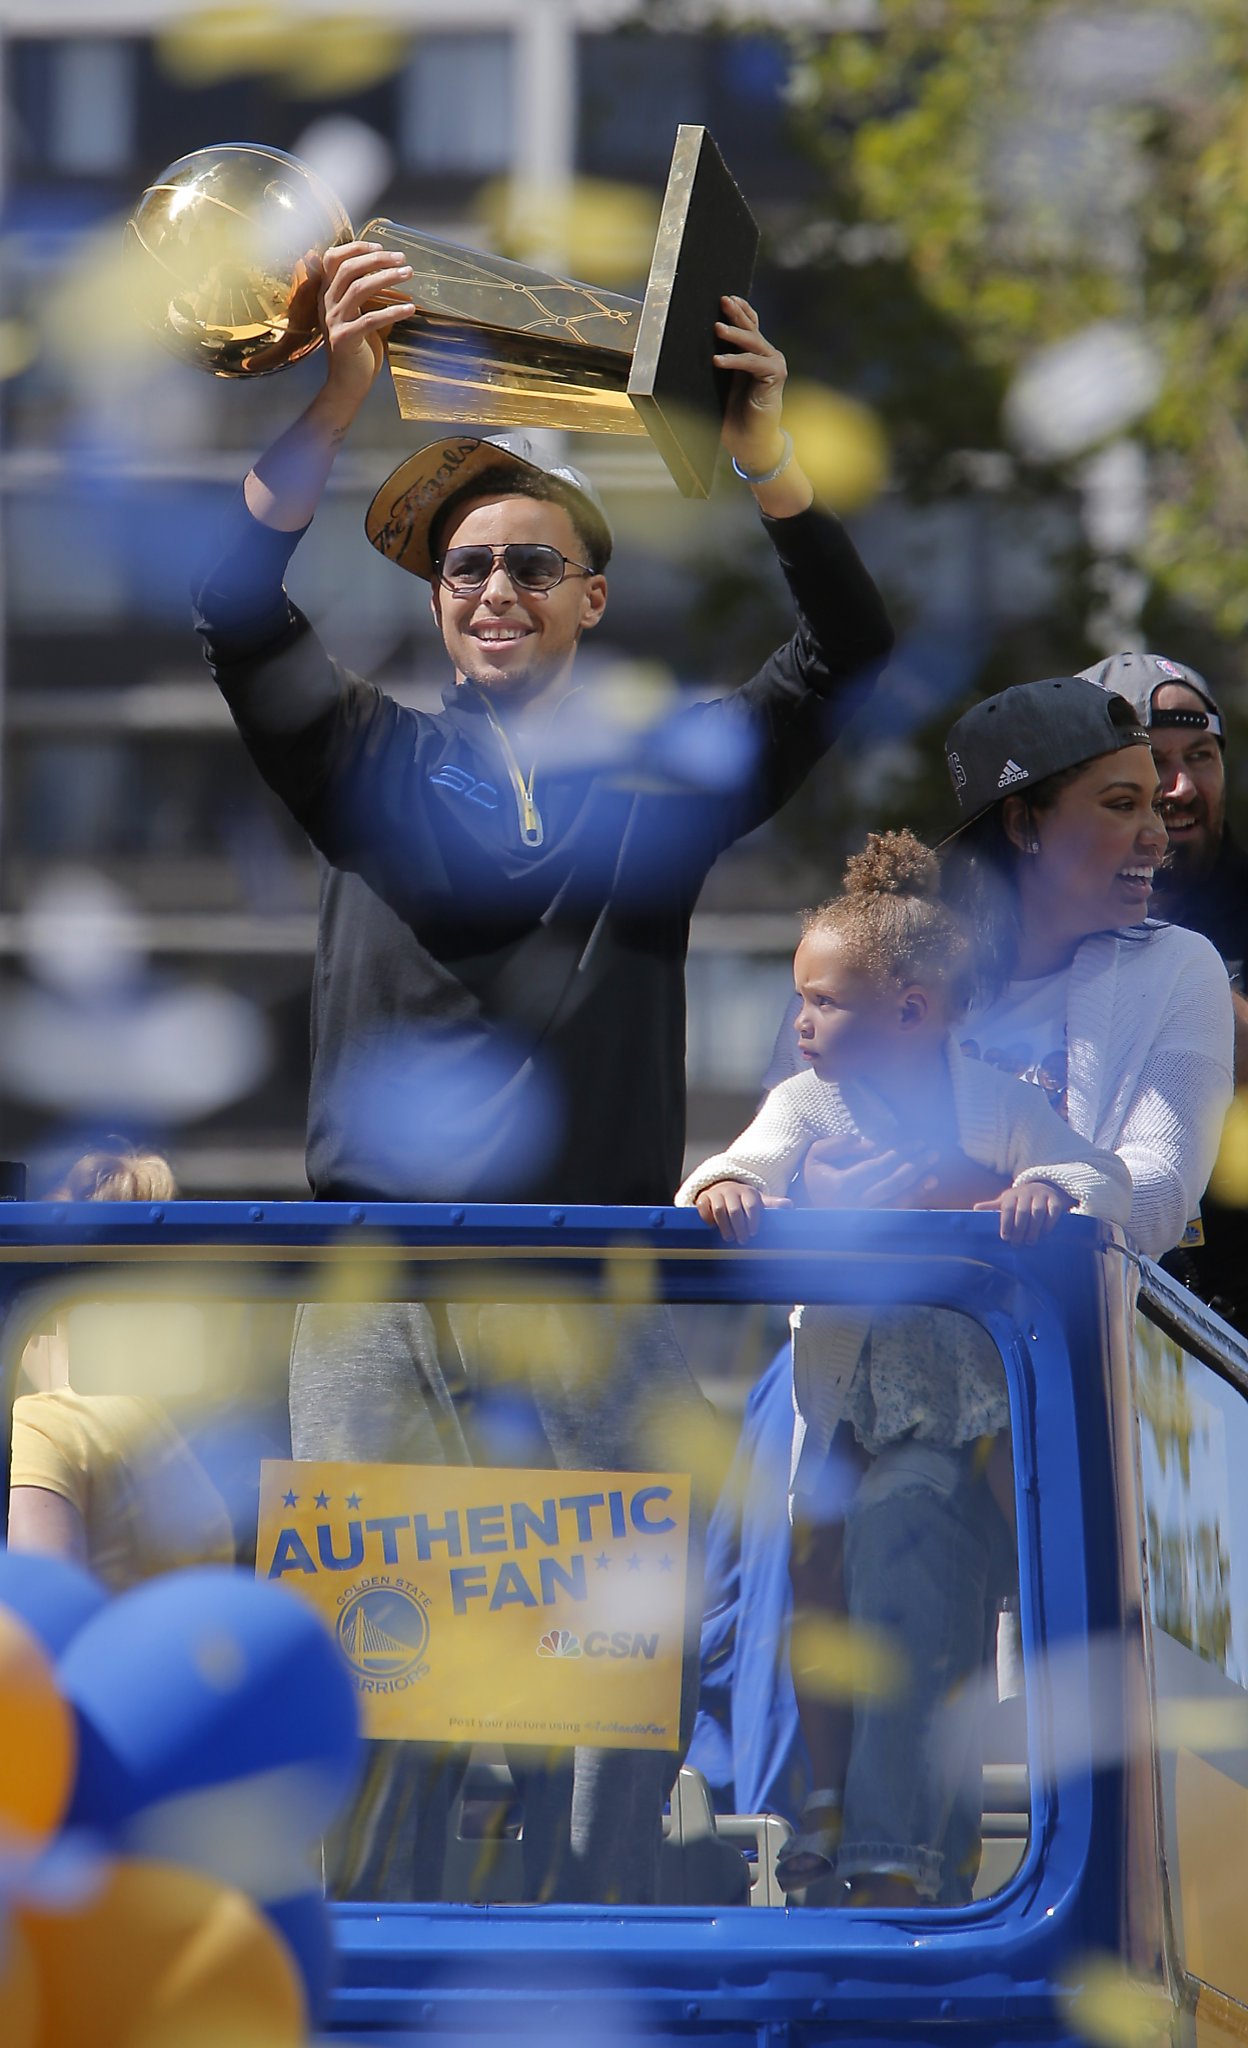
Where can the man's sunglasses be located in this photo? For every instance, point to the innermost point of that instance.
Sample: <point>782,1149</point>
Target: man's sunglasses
<point>530,565</point>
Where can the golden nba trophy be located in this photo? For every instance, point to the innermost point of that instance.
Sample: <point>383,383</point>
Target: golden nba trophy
<point>221,243</point>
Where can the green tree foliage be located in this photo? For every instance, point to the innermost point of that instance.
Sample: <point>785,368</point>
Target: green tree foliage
<point>1040,166</point>
<point>993,177</point>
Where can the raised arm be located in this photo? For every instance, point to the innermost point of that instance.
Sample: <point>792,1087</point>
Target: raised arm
<point>240,603</point>
<point>357,307</point>
<point>781,721</point>
<point>753,433</point>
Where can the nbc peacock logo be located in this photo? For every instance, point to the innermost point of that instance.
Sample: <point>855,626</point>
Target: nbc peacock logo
<point>559,1642</point>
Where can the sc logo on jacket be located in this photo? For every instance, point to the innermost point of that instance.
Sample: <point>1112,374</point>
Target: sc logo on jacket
<point>471,787</point>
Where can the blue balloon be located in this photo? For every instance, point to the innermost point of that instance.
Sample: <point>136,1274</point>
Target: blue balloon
<point>306,1927</point>
<point>202,1678</point>
<point>54,1598</point>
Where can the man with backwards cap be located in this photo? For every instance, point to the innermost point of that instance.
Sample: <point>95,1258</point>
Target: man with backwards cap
<point>503,924</point>
<point>1204,886</point>
<point>1204,883</point>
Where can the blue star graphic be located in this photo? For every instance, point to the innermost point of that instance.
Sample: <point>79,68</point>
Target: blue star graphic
<point>353,1500</point>
<point>602,1561</point>
<point>322,1500</point>
<point>290,1500</point>
<point>665,1563</point>
<point>634,1563</point>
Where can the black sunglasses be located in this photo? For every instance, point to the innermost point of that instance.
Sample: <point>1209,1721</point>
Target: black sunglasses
<point>530,565</point>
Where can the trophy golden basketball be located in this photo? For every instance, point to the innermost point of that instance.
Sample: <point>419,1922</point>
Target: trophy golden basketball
<point>221,242</point>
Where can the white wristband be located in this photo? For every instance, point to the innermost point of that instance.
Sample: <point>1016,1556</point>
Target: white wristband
<point>768,476</point>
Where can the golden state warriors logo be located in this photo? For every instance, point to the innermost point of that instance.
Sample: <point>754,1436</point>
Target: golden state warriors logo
<point>383,1628</point>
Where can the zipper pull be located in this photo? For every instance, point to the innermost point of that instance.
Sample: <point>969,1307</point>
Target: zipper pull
<point>530,822</point>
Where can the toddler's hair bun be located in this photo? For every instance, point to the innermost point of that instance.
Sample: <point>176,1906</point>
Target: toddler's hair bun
<point>893,864</point>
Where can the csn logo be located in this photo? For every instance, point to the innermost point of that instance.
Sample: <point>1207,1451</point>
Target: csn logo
<point>384,1631</point>
<point>623,1643</point>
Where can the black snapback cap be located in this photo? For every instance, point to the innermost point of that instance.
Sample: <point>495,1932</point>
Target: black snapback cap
<point>1138,677</point>
<point>1023,735</point>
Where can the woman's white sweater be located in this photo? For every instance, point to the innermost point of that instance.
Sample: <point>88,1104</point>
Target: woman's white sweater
<point>1150,1066</point>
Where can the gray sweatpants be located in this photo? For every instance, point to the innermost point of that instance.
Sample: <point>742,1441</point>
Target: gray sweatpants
<point>575,1387</point>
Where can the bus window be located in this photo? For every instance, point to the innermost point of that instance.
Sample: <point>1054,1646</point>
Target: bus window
<point>568,1538</point>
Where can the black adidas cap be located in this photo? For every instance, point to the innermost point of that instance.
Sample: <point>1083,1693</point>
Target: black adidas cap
<point>1016,739</point>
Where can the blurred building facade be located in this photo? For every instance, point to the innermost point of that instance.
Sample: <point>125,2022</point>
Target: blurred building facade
<point>546,124</point>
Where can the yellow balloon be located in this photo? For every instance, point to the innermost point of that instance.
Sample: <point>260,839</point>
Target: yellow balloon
<point>40,1748</point>
<point>19,1990</point>
<point>840,444</point>
<point>162,1957</point>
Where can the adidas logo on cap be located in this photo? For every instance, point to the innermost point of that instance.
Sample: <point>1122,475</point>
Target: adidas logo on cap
<point>1011,773</point>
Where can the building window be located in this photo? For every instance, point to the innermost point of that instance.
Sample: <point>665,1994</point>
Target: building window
<point>456,105</point>
<point>91,107</point>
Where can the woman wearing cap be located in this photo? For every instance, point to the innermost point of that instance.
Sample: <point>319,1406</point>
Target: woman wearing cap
<point>1127,1024</point>
<point>1127,1027</point>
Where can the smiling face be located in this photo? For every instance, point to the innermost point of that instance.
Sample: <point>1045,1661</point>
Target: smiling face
<point>517,644</point>
<point>1193,786</point>
<point>1097,847</point>
<point>848,1028</point>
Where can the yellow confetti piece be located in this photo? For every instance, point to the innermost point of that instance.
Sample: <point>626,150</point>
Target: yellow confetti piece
<point>840,444</point>
<point>368,1277</point>
<point>1115,2010</point>
<point>1202,1724</point>
<point>223,42</point>
<point>1230,1174</point>
<point>313,57</point>
<point>19,346</point>
<point>593,228</point>
<point>834,1659</point>
<point>675,1434</point>
<point>340,54</point>
<point>99,275</point>
<point>631,696</point>
<point>630,1279</point>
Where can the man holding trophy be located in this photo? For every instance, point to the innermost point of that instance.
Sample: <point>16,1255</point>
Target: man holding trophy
<point>504,918</point>
<point>456,823</point>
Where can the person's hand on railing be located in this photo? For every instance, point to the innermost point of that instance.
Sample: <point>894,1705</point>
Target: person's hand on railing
<point>734,1207</point>
<point>1029,1212</point>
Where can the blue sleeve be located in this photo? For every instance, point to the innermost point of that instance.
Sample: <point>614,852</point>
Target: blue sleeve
<point>240,603</point>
